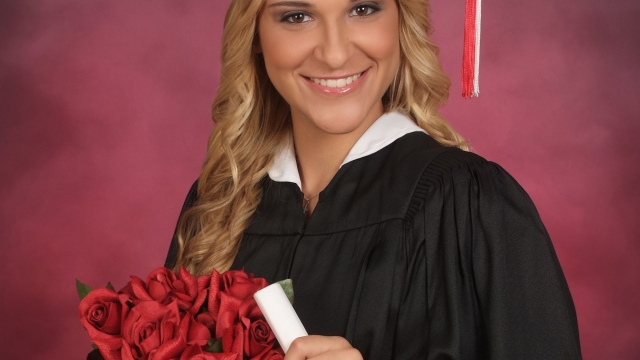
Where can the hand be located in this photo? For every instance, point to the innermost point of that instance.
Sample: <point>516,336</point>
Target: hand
<point>315,347</point>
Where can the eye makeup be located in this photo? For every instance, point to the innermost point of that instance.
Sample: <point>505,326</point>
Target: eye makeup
<point>298,16</point>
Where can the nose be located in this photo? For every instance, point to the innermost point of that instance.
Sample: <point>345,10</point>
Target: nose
<point>334,47</point>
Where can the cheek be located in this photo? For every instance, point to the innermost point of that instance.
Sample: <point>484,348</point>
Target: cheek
<point>381,43</point>
<point>281,53</point>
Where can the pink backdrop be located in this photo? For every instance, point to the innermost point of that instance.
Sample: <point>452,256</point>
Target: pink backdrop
<point>105,111</point>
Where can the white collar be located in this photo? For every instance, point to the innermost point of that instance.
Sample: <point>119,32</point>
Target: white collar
<point>388,128</point>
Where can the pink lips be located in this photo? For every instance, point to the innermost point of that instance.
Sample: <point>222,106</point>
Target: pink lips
<point>338,90</point>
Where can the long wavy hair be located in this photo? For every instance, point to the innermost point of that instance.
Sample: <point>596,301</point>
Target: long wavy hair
<point>252,120</point>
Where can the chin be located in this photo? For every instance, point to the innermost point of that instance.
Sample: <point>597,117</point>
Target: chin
<point>340,120</point>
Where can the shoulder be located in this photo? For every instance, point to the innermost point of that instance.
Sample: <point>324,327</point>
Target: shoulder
<point>420,152</point>
<point>425,164</point>
<point>190,200</point>
<point>409,172</point>
<point>450,175</point>
<point>456,167</point>
<point>192,196</point>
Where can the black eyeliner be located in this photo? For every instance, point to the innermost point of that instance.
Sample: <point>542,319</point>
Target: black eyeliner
<point>289,14</point>
<point>373,5</point>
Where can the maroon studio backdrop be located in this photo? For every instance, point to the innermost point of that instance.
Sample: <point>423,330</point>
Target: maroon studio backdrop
<point>105,112</point>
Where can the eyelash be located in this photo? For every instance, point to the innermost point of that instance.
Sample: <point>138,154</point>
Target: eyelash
<point>371,9</point>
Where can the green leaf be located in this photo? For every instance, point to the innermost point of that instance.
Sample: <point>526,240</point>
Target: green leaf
<point>94,346</point>
<point>110,287</point>
<point>83,289</point>
<point>215,345</point>
<point>287,286</point>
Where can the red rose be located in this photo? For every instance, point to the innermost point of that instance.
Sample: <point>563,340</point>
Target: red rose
<point>208,321</point>
<point>249,332</point>
<point>234,283</point>
<point>232,340</point>
<point>165,287</point>
<point>102,312</point>
<point>154,331</point>
<point>196,353</point>
<point>258,340</point>
<point>136,290</point>
<point>271,355</point>
<point>197,333</point>
<point>227,315</point>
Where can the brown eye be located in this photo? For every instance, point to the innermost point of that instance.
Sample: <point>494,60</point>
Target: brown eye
<point>297,18</point>
<point>363,10</point>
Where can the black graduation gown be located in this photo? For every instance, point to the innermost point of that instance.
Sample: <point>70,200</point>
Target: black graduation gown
<point>417,251</point>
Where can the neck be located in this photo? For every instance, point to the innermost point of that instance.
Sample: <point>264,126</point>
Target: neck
<point>320,153</point>
<point>319,159</point>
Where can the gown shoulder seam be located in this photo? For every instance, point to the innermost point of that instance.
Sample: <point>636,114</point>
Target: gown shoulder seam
<point>443,165</point>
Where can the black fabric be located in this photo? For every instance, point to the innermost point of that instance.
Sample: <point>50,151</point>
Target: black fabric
<point>192,197</point>
<point>417,252</point>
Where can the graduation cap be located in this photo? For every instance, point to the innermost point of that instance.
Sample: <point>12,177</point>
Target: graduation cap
<point>471,51</point>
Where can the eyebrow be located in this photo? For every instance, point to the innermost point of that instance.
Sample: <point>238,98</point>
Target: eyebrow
<point>296,4</point>
<point>291,4</point>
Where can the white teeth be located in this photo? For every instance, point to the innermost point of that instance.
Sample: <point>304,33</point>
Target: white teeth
<point>332,83</point>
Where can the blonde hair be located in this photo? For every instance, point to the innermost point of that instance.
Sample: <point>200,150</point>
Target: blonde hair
<point>252,120</point>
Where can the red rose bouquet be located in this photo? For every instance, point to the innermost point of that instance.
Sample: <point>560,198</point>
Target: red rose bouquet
<point>180,317</point>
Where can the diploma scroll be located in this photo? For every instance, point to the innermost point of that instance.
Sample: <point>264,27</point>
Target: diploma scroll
<point>280,315</point>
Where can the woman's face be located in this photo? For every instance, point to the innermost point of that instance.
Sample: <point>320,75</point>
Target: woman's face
<point>331,60</point>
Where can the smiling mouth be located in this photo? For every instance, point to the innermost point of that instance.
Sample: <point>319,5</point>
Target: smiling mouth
<point>336,83</point>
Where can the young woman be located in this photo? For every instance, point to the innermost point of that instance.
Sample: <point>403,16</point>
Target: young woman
<point>330,165</point>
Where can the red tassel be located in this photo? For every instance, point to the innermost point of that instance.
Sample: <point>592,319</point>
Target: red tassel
<point>471,51</point>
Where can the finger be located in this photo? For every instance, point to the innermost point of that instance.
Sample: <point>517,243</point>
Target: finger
<point>309,346</point>
<point>342,354</point>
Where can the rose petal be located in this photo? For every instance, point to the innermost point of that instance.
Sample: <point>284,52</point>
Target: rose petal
<point>127,354</point>
<point>198,334</point>
<point>103,333</point>
<point>228,313</point>
<point>208,321</point>
<point>139,289</point>
<point>160,283</point>
<point>196,353</point>
<point>271,355</point>
<point>169,350</point>
<point>111,324</point>
<point>240,285</point>
<point>232,340</point>
<point>151,326</point>
<point>158,290</point>
<point>188,282</point>
<point>213,304</point>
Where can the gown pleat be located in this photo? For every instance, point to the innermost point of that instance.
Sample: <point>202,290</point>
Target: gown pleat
<point>417,251</point>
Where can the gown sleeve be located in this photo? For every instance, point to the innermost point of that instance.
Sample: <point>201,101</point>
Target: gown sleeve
<point>192,197</point>
<point>482,271</point>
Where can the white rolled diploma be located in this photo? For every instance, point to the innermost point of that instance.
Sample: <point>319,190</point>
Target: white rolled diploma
<point>280,315</point>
